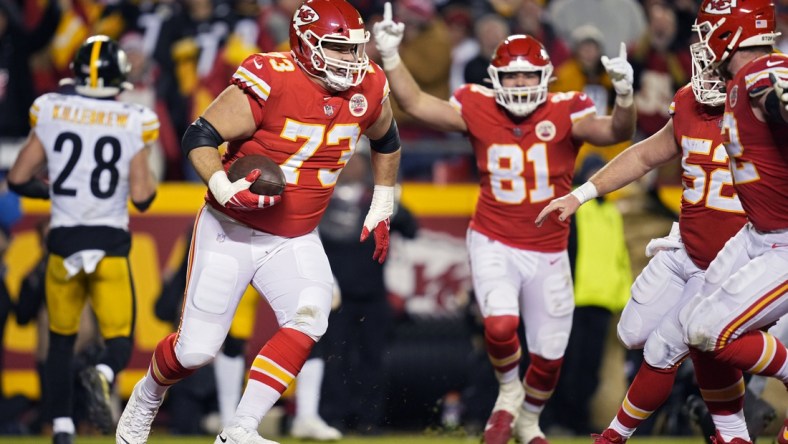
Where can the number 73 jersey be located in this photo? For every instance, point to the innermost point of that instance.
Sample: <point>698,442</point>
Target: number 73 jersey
<point>523,164</point>
<point>89,145</point>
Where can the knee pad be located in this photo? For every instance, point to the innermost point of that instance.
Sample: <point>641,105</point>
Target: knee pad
<point>500,301</point>
<point>501,328</point>
<point>311,321</point>
<point>117,353</point>
<point>663,351</point>
<point>628,337</point>
<point>550,345</point>
<point>695,318</point>
<point>188,355</point>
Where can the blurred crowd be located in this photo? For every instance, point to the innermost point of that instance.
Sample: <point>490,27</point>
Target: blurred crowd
<point>183,53</point>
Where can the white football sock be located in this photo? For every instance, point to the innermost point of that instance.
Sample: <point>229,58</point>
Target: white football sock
<point>63,424</point>
<point>256,401</point>
<point>731,426</point>
<point>307,391</point>
<point>230,372</point>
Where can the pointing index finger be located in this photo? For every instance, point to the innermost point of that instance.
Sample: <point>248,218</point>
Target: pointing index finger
<point>623,51</point>
<point>387,11</point>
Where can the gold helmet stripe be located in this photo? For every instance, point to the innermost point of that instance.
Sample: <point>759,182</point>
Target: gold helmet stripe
<point>94,55</point>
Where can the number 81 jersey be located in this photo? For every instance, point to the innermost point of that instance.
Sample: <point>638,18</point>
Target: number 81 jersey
<point>89,145</point>
<point>523,164</point>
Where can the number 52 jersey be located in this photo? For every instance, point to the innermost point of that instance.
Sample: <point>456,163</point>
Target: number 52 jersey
<point>89,145</point>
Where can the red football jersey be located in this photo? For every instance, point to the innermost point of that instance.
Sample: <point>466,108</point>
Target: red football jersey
<point>758,150</point>
<point>523,164</point>
<point>708,199</point>
<point>310,132</point>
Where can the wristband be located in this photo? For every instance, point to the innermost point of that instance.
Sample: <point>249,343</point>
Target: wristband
<point>382,200</point>
<point>585,192</point>
<point>391,62</point>
<point>625,100</point>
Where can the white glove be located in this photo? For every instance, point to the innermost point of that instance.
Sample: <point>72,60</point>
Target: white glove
<point>378,220</point>
<point>670,242</point>
<point>780,87</point>
<point>621,74</point>
<point>236,194</point>
<point>388,35</point>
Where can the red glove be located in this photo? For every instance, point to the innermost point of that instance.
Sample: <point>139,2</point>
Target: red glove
<point>381,232</point>
<point>377,220</point>
<point>236,194</point>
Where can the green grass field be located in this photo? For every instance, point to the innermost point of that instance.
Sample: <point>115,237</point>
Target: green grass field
<point>389,439</point>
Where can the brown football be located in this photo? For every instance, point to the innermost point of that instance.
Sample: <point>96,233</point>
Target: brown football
<point>271,181</point>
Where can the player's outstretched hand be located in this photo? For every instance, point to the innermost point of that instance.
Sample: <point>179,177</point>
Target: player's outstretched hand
<point>621,73</point>
<point>781,89</point>
<point>378,221</point>
<point>566,206</point>
<point>236,194</point>
<point>388,35</point>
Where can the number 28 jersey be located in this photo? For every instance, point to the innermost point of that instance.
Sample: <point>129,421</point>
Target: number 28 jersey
<point>310,132</point>
<point>89,145</point>
<point>523,165</point>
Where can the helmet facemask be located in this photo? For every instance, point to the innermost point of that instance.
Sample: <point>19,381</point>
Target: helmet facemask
<point>338,74</point>
<point>520,100</point>
<point>708,87</point>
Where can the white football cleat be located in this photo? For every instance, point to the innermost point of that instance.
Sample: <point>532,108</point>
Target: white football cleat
<point>314,428</point>
<point>235,434</point>
<point>135,422</point>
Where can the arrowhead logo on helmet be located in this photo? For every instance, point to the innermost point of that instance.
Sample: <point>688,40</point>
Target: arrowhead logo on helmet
<point>720,6</point>
<point>305,15</point>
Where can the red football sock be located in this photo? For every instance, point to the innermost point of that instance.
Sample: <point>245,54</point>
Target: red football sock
<point>541,379</point>
<point>281,358</point>
<point>754,352</point>
<point>722,386</point>
<point>164,367</point>
<point>503,345</point>
<point>649,390</point>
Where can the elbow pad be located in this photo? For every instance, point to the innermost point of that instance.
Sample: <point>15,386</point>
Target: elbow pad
<point>145,204</point>
<point>199,134</point>
<point>389,143</point>
<point>34,188</point>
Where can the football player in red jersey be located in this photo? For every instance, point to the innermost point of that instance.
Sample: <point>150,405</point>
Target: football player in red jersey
<point>746,284</point>
<point>525,141</point>
<point>306,110</point>
<point>679,261</point>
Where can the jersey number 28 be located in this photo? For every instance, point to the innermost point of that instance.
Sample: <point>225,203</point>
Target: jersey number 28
<point>104,165</point>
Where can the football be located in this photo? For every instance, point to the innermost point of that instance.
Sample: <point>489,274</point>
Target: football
<point>271,181</point>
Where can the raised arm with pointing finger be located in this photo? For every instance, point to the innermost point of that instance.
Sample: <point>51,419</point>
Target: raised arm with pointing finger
<point>525,140</point>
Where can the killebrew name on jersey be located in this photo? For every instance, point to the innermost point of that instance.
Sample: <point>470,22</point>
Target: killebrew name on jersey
<point>88,116</point>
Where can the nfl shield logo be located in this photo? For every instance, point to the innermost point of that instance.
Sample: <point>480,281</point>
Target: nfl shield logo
<point>329,110</point>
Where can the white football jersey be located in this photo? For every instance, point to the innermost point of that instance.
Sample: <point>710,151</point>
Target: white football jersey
<point>89,145</point>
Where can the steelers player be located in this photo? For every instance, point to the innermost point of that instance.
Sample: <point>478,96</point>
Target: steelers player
<point>95,150</point>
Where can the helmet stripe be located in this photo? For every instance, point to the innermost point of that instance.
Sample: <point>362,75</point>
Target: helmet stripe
<point>94,55</point>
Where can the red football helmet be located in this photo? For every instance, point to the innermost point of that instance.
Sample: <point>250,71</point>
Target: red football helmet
<point>723,26</point>
<point>520,53</point>
<point>317,22</point>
